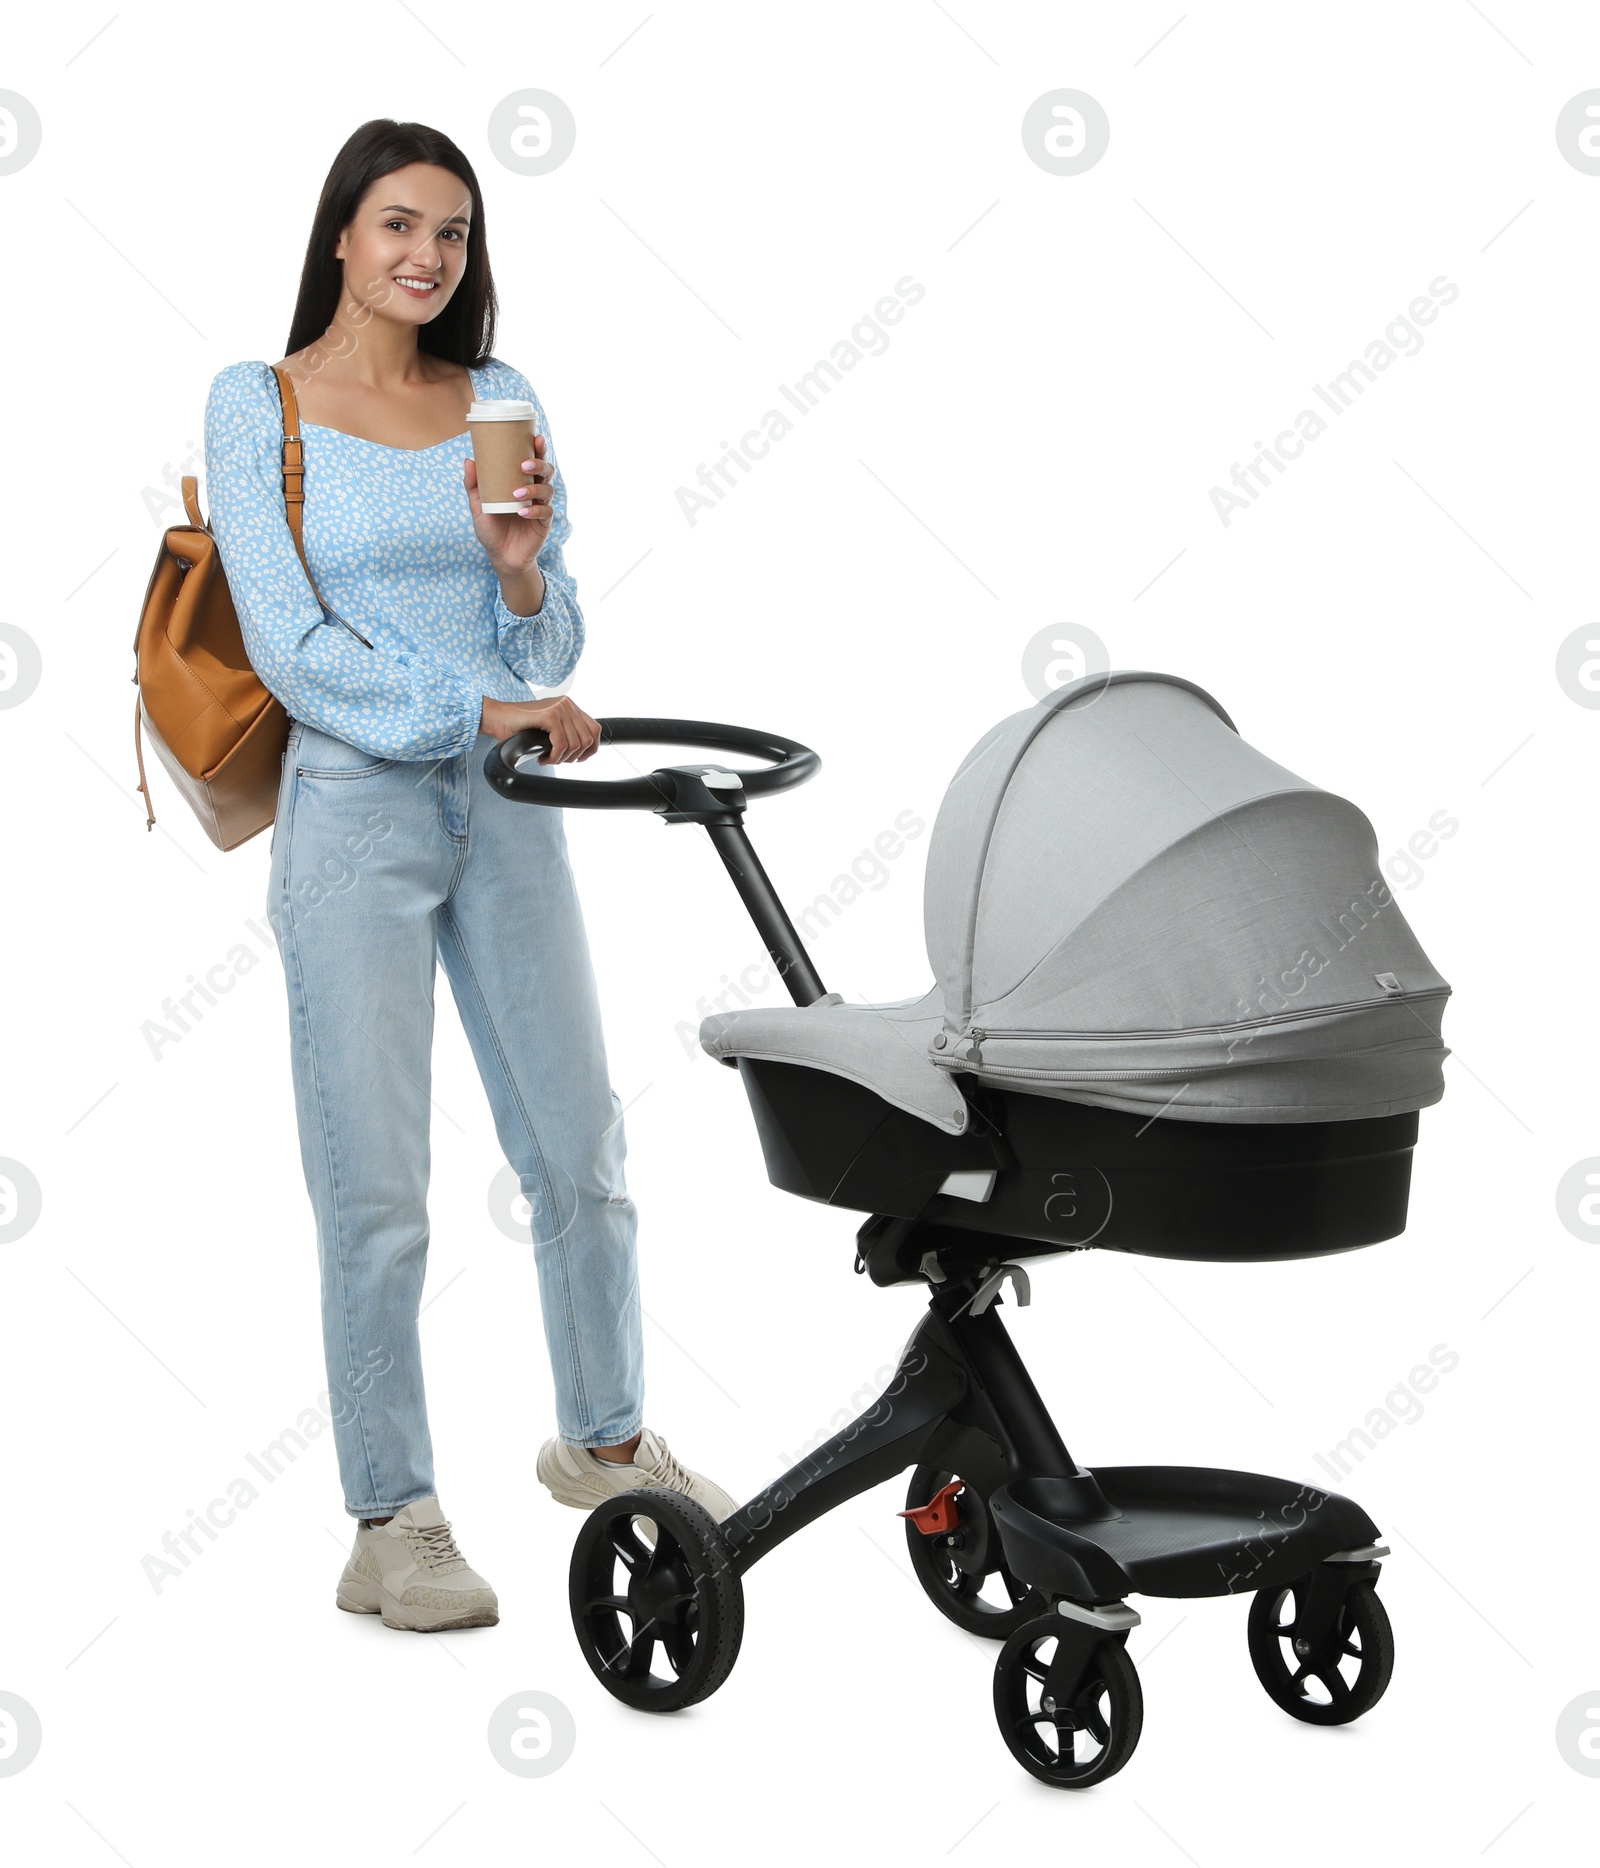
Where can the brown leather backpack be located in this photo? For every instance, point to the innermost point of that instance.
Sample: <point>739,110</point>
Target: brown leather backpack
<point>215,726</point>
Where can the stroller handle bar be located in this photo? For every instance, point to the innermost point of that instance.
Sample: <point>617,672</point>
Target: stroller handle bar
<point>668,789</point>
<point>709,795</point>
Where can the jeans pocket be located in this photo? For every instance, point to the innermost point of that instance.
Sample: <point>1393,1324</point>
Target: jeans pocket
<point>321,755</point>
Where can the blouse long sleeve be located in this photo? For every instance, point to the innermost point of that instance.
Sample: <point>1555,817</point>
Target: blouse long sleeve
<point>394,703</point>
<point>544,648</point>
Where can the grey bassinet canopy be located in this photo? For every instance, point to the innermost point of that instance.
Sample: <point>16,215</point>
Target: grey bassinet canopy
<point>1127,905</point>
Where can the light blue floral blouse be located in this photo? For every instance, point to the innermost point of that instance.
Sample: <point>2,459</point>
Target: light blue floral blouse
<point>388,532</point>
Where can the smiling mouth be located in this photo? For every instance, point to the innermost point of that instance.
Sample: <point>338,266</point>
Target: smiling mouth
<point>417,287</point>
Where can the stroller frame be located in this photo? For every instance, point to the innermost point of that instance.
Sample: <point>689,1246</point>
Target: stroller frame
<point>994,1487</point>
<point>961,1398</point>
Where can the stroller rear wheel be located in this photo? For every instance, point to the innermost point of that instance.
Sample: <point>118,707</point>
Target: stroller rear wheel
<point>682,1595</point>
<point>1071,1721</point>
<point>955,1574</point>
<point>1342,1678</point>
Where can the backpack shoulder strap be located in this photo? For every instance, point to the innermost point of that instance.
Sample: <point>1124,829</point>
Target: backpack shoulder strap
<point>293,465</point>
<point>294,493</point>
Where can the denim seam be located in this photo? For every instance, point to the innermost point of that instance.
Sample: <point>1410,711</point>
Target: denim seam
<point>462,837</point>
<point>285,771</point>
<point>538,1153</point>
<point>626,1434</point>
<point>388,1511</point>
<point>295,974</point>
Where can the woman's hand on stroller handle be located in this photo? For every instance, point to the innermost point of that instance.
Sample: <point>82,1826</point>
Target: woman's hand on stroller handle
<point>572,733</point>
<point>680,793</point>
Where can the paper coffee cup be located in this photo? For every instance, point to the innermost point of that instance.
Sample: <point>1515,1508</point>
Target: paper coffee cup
<point>502,439</point>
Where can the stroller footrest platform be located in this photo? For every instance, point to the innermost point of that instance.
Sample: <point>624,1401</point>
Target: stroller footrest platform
<point>1174,1531</point>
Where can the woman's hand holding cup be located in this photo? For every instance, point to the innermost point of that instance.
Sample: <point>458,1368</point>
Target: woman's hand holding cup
<point>514,540</point>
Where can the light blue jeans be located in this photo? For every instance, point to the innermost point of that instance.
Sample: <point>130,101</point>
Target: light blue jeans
<point>377,866</point>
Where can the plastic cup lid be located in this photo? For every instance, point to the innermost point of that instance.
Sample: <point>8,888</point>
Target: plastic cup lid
<point>505,410</point>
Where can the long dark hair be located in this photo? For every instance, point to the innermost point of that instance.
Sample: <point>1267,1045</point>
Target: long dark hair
<point>464,331</point>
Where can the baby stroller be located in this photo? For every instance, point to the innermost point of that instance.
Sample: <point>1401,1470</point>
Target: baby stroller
<point>1175,1011</point>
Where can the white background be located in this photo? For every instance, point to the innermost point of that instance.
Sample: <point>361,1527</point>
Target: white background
<point>1035,447</point>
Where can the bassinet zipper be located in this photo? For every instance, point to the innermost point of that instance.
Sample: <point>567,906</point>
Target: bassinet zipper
<point>1075,1076</point>
<point>1129,1076</point>
<point>981,1032</point>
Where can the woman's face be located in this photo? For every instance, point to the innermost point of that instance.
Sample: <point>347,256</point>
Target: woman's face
<point>406,247</point>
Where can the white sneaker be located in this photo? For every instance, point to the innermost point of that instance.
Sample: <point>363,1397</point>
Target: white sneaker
<point>410,1572</point>
<point>576,1476</point>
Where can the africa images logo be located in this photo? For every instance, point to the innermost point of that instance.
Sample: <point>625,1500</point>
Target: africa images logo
<point>1400,338</point>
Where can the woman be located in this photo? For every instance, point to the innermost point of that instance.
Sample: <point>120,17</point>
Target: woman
<point>390,846</point>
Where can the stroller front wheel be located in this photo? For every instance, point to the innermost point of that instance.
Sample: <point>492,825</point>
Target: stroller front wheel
<point>1071,1720</point>
<point>1344,1676</point>
<point>680,1595</point>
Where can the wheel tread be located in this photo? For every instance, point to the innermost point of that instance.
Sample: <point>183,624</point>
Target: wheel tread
<point>698,1535</point>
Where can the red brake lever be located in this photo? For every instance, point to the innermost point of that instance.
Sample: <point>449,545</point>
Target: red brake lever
<point>939,1514</point>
